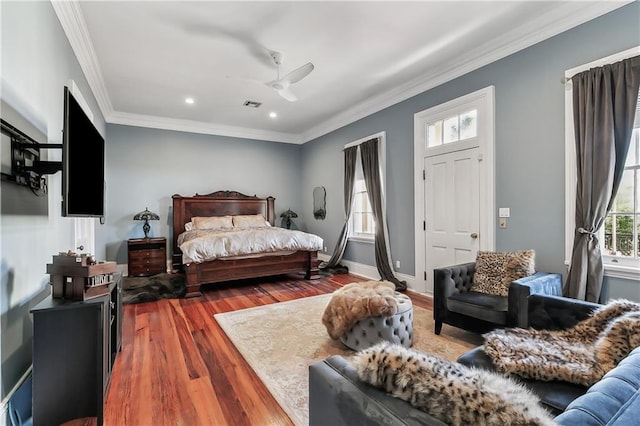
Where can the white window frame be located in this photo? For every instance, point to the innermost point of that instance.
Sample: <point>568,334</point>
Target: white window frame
<point>382,155</point>
<point>625,270</point>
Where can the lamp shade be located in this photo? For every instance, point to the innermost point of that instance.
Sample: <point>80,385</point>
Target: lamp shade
<point>146,215</point>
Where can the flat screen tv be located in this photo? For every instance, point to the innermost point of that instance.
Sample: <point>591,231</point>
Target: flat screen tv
<point>82,163</point>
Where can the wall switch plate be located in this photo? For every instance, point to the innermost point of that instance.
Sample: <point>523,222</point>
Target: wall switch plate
<point>398,264</point>
<point>325,249</point>
<point>504,212</point>
<point>503,222</point>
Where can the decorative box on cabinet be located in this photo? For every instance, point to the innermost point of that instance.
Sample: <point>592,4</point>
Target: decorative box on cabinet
<point>79,277</point>
<point>147,256</point>
<point>75,344</point>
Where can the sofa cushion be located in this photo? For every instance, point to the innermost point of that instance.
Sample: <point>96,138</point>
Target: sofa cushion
<point>554,395</point>
<point>494,271</point>
<point>337,397</point>
<point>487,307</point>
<point>614,400</point>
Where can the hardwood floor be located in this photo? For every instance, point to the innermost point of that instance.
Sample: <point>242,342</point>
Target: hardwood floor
<point>177,366</point>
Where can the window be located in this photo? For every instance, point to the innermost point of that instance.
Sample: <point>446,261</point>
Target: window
<point>363,226</point>
<point>619,239</point>
<point>453,129</point>
<point>361,213</point>
<point>621,232</point>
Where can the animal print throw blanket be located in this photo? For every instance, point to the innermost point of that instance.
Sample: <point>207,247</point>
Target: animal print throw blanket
<point>453,393</point>
<point>356,301</point>
<point>581,355</point>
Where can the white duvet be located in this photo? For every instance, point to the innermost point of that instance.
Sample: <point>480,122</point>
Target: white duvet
<point>200,245</point>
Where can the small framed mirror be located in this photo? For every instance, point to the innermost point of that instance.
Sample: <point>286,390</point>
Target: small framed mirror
<point>319,202</point>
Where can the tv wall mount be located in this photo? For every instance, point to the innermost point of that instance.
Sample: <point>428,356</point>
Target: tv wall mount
<point>26,167</point>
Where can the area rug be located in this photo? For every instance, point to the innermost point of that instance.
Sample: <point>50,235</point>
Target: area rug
<point>155,287</point>
<point>281,340</point>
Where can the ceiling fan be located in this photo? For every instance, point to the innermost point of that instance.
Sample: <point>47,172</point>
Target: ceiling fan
<point>281,85</point>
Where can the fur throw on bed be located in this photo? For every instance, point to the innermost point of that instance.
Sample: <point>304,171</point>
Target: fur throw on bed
<point>356,301</point>
<point>581,355</point>
<point>451,392</point>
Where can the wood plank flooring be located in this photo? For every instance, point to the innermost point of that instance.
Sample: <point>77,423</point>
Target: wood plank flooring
<point>177,366</point>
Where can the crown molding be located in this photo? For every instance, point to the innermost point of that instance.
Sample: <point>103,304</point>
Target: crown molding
<point>75,28</point>
<point>563,17</point>
<point>191,126</point>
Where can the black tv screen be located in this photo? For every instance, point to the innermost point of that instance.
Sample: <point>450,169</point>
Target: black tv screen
<point>82,163</point>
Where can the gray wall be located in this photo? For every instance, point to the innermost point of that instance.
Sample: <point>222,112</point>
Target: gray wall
<point>37,62</point>
<point>529,117</point>
<point>145,167</point>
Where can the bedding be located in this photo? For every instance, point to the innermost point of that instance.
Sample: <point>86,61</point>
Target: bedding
<point>201,245</point>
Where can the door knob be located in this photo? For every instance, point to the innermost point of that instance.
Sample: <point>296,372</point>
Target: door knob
<point>474,235</point>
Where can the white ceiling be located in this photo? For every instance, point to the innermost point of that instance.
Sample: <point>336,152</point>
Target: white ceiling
<point>143,58</point>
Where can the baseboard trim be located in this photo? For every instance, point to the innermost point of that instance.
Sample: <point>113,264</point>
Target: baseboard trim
<point>370,272</point>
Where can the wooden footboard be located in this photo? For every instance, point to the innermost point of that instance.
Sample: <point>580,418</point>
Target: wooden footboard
<point>227,270</point>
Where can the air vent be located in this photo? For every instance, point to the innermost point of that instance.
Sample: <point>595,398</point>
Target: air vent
<point>252,104</point>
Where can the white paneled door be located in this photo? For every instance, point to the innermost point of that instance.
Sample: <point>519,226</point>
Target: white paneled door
<point>452,209</point>
<point>454,183</point>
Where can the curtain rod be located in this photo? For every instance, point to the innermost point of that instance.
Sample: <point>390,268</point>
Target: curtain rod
<point>363,140</point>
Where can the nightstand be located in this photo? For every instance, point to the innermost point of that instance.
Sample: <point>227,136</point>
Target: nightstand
<point>147,256</point>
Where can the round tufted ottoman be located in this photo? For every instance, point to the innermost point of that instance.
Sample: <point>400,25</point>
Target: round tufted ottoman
<point>396,329</point>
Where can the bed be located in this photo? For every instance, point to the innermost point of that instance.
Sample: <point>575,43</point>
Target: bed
<point>231,203</point>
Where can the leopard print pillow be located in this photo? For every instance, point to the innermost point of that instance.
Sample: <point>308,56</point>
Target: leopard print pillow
<point>494,271</point>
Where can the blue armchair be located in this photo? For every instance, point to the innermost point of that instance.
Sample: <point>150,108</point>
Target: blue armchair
<point>454,302</point>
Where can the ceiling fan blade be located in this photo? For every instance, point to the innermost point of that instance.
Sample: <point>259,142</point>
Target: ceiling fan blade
<point>298,74</point>
<point>287,94</point>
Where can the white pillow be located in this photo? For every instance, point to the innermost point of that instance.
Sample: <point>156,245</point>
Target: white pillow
<point>250,221</point>
<point>215,223</point>
<point>188,226</point>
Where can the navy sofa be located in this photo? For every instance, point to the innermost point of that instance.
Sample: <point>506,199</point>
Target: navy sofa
<point>338,397</point>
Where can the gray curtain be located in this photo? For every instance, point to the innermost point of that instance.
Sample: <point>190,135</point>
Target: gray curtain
<point>371,172</point>
<point>350,155</point>
<point>604,103</point>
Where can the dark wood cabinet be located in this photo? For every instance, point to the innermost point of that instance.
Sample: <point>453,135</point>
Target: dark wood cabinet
<point>75,344</point>
<point>147,256</point>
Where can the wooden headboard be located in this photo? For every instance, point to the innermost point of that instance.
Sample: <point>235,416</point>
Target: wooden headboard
<point>219,203</point>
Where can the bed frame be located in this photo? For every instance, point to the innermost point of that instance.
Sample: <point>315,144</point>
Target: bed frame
<point>232,203</point>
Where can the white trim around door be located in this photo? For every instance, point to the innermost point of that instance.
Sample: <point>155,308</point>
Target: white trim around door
<point>483,101</point>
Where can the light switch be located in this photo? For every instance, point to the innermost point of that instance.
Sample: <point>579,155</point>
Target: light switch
<point>504,212</point>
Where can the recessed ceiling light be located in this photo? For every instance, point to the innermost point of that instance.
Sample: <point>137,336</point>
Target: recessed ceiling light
<point>189,101</point>
<point>273,114</point>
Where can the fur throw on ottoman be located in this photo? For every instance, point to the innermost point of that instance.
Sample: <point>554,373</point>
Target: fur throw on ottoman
<point>356,301</point>
<point>581,355</point>
<point>451,392</point>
